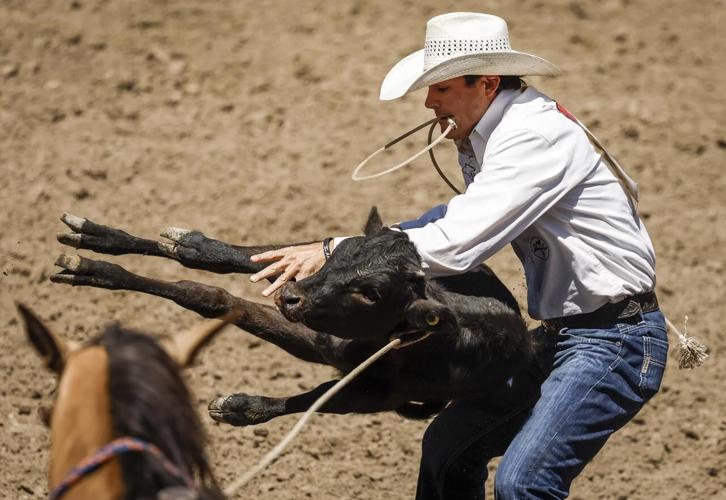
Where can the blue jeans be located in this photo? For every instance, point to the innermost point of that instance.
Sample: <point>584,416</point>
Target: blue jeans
<point>599,380</point>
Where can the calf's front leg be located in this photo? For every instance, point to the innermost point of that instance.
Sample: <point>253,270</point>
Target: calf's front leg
<point>191,248</point>
<point>261,320</point>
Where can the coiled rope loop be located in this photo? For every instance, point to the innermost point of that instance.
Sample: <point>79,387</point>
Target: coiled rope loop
<point>357,176</point>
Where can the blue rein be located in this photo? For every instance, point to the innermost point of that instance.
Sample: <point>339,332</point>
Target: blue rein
<point>107,452</point>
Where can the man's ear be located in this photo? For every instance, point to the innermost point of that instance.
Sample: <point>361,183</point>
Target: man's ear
<point>374,224</point>
<point>491,84</point>
<point>51,348</point>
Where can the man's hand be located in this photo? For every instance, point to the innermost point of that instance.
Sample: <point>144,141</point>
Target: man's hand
<point>296,262</point>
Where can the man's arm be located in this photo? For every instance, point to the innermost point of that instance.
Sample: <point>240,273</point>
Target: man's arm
<point>524,174</point>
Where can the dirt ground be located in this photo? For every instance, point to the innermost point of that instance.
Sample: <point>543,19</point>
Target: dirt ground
<point>244,119</point>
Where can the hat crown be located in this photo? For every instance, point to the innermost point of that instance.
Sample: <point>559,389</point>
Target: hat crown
<point>460,44</point>
<point>466,25</point>
<point>461,33</point>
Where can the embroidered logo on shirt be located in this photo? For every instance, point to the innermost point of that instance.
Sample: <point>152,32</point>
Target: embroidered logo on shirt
<point>469,169</point>
<point>539,248</point>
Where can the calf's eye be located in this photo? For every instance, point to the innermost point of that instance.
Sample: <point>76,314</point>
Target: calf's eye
<point>368,295</point>
<point>432,319</point>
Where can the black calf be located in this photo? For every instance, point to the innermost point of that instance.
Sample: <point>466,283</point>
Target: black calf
<point>371,289</point>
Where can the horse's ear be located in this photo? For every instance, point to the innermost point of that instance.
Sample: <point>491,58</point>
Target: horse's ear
<point>374,224</point>
<point>51,348</point>
<point>184,346</point>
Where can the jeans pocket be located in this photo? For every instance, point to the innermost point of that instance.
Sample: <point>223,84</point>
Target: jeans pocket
<point>574,336</point>
<point>655,355</point>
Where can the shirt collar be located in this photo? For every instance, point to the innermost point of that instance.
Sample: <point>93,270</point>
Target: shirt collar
<point>479,136</point>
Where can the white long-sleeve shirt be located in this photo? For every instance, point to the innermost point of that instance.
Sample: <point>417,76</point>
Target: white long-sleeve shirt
<point>535,181</point>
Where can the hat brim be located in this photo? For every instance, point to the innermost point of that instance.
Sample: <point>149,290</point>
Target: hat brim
<point>409,75</point>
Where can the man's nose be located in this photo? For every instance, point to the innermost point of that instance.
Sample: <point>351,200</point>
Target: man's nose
<point>431,102</point>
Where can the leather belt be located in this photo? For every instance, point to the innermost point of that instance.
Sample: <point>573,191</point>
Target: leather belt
<point>609,314</point>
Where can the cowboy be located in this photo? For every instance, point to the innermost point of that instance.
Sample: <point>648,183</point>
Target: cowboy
<point>533,181</point>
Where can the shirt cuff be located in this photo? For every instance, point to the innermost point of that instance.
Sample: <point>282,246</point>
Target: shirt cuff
<point>337,240</point>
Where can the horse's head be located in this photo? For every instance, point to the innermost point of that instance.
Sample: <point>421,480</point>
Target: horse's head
<point>123,384</point>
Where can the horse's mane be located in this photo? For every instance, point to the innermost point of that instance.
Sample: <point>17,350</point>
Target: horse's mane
<point>150,401</point>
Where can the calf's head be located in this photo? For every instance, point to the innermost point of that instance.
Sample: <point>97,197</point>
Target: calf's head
<point>371,287</point>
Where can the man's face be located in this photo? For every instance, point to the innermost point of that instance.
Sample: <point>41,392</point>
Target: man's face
<point>465,103</point>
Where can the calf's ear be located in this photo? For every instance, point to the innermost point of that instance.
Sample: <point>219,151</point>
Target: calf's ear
<point>374,224</point>
<point>51,348</point>
<point>417,278</point>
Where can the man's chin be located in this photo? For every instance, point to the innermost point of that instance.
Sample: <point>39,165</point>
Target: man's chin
<point>453,135</point>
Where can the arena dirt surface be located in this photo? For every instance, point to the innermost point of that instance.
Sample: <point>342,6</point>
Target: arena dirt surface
<point>244,119</point>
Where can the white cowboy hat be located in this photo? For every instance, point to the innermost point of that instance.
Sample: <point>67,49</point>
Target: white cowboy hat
<point>458,44</point>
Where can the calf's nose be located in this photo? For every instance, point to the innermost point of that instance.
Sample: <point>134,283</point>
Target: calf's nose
<point>289,300</point>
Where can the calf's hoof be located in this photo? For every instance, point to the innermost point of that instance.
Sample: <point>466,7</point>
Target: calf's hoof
<point>240,410</point>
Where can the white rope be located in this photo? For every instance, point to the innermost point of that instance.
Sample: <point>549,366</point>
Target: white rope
<point>277,450</point>
<point>357,177</point>
<point>692,352</point>
<point>628,184</point>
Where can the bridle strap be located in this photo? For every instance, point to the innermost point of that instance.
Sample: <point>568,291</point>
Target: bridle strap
<point>107,452</point>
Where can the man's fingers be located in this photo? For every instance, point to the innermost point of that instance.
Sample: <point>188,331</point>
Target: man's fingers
<point>273,287</point>
<point>290,262</point>
<point>271,270</point>
<point>281,280</point>
<point>269,256</point>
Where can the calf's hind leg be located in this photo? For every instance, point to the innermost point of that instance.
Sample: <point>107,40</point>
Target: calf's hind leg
<point>261,320</point>
<point>358,397</point>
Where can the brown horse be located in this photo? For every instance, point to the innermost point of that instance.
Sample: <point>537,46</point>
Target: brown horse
<point>121,405</point>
